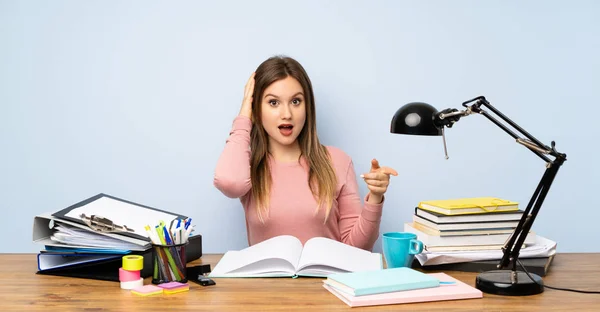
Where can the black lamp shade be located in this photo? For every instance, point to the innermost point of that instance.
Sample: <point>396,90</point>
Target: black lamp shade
<point>415,118</point>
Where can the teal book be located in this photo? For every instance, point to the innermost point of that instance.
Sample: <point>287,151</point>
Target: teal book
<point>381,281</point>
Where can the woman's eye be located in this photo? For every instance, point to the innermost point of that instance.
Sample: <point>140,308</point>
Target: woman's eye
<point>296,101</point>
<point>272,102</point>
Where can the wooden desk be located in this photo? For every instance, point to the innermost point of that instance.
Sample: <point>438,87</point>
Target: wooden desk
<point>23,290</point>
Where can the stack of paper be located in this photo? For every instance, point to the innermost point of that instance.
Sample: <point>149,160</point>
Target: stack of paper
<point>73,236</point>
<point>542,248</point>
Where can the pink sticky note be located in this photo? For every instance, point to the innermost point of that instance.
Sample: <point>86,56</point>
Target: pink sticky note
<point>172,285</point>
<point>147,290</point>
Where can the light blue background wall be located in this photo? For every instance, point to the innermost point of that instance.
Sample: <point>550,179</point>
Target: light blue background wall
<point>136,98</point>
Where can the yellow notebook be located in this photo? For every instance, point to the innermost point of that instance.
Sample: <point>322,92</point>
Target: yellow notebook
<point>475,205</point>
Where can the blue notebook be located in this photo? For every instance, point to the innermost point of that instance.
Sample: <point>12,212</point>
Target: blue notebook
<point>381,281</point>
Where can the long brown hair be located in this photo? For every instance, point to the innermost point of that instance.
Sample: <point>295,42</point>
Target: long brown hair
<point>321,176</point>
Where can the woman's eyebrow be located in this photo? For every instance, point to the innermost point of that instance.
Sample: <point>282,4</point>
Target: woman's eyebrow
<point>275,96</point>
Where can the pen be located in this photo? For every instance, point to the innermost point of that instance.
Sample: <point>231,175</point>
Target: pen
<point>163,241</point>
<point>163,254</point>
<point>172,256</point>
<point>187,232</point>
<point>174,253</point>
<point>153,238</point>
<point>160,235</point>
<point>171,226</point>
<point>181,238</point>
<point>168,239</point>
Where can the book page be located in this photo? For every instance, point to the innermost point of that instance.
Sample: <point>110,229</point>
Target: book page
<point>277,256</point>
<point>323,256</point>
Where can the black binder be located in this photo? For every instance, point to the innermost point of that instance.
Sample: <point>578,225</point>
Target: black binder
<point>108,270</point>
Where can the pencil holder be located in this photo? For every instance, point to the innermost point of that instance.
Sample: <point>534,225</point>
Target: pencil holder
<point>169,263</point>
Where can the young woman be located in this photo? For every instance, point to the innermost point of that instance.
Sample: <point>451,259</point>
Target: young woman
<point>287,181</point>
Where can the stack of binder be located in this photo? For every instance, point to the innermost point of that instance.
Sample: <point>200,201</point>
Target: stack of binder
<point>89,238</point>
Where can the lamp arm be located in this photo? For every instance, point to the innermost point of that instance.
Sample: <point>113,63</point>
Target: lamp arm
<point>513,245</point>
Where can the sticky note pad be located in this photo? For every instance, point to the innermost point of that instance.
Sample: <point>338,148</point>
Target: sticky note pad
<point>147,290</point>
<point>174,291</point>
<point>174,287</point>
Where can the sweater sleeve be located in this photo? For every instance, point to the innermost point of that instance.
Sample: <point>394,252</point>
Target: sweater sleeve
<point>232,174</point>
<point>358,224</point>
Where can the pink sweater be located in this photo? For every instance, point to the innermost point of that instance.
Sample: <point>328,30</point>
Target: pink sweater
<point>292,205</point>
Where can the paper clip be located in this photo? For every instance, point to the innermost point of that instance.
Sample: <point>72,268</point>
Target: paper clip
<point>102,224</point>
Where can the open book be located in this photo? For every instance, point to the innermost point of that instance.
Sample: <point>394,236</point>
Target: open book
<point>285,256</point>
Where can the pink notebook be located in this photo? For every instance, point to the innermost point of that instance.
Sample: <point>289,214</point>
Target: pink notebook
<point>456,291</point>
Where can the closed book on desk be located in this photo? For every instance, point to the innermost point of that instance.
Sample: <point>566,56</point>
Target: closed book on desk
<point>381,281</point>
<point>431,231</point>
<point>459,226</point>
<point>462,240</point>
<point>475,205</point>
<point>285,256</point>
<point>456,291</point>
<point>440,219</point>
<point>103,266</point>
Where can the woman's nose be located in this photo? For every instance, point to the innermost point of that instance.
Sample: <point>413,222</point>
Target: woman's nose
<point>286,112</point>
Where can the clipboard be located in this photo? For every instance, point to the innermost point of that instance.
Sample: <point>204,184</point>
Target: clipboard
<point>118,212</point>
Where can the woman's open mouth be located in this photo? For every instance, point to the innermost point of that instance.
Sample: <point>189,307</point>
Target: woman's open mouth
<point>286,129</point>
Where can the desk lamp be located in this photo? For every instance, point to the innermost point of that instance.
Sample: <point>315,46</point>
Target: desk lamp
<point>419,118</point>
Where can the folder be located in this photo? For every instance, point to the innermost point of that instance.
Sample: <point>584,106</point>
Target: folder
<point>44,227</point>
<point>56,260</point>
<point>106,266</point>
<point>117,211</point>
<point>122,212</point>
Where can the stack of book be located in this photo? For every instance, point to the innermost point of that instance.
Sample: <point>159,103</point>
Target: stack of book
<point>481,223</point>
<point>396,286</point>
<point>475,228</point>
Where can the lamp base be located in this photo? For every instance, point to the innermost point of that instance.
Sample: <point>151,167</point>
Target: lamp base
<point>509,283</point>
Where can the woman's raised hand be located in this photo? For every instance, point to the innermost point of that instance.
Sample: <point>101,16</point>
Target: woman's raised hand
<point>246,109</point>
